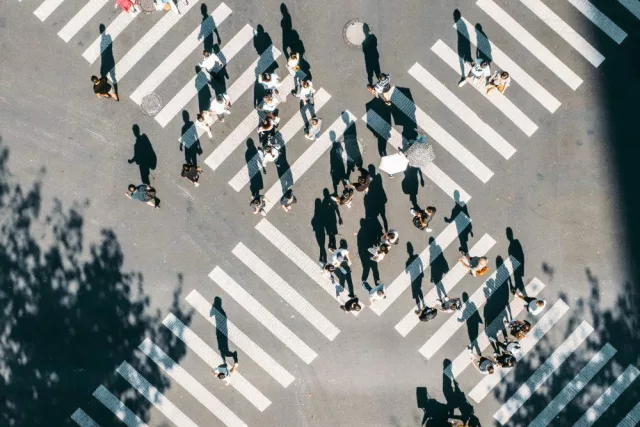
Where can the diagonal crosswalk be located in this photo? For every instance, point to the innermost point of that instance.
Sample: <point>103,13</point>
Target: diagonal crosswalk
<point>80,19</point>
<point>83,419</point>
<point>118,408</point>
<point>599,19</point>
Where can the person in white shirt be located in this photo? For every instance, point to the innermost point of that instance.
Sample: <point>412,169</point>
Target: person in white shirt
<point>266,155</point>
<point>378,252</point>
<point>204,121</point>
<point>534,305</point>
<point>512,347</point>
<point>293,63</point>
<point>305,93</point>
<point>500,80</point>
<point>313,131</point>
<point>223,372</point>
<point>382,89</point>
<point>339,256</point>
<point>270,82</point>
<point>269,104</point>
<point>221,106</point>
<point>479,73</point>
<point>210,63</point>
<point>375,293</point>
<point>485,365</point>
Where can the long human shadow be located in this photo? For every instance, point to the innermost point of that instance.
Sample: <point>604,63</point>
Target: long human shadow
<point>463,232</point>
<point>189,133</point>
<point>143,155</point>
<point>455,408</point>
<point>378,106</point>
<point>464,45</point>
<point>515,250</point>
<point>208,29</point>
<point>474,321</point>
<point>256,183</point>
<point>371,54</point>
<point>457,403</point>
<point>291,42</point>
<point>438,264</point>
<point>318,225</point>
<point>285,175</point>
<point>71,312</point>
<point>405,115</point>
<point>222,330</point>
<point>331,214</point>
<point>219,74</point>
<point>418,275</point>
<point>368,235</point>
<point>352,149</point>
<point>483,50</point>
<point>498,301</point>
<point>345,278</point>
<point>337,166</point>
<point>261,43</point>
<point>375,201</point>
<point>107,60</point>
<point>411,184</point>
<point>204,91</point>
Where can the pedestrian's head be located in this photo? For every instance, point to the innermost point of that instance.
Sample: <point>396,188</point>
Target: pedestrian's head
<point>267,98</point>
<point>200,117</point>
<point>357,307</point>
<point>484,64</point>
<point>490,369</point>
<point>504,75</point>
<point>384,249</point>
<point>526,327</point>
<point>266,77</point>
<point>205,53</point>
<point>186,167</point>
<point>256,201</point>
<point>293,55</point>
<point>483,262</point>
<point>362,179</point>
<point>221,376</point>
<point>220,98</point>
<point>540,303</point>
<point>330,268</point>
<point>383,76</point>
<point>289,194</point>
<point>94,79</point>
<point>305,83</point>
<point>131,188</point>
<point>431,210</point>
<point>381,293</point>
<point>343,244</point>
<point>314,121</point>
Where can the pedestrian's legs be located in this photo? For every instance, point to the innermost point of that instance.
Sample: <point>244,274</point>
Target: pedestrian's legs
<point>208,130</point>
<point>221,117</point>
<point>366,287</point>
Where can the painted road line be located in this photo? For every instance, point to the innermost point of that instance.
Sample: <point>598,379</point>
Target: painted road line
<point>146,42</point>
<point>118,408</point>
<point>190,384</point>
<point>535,89</point>
<point>180,53</point>
<point>201,79</point>
<point>532,44</point>
<point>308,158</point>
<point>241,133</point>
<point>448,282</point>
<point>80,19</point>
<point>293,126</point>
<point>154,396</point>
<point>565,31</point>
<point>431,171</point>
<point>285,291</point>
<point>515,307</point>
<point>112,31</point>
<point>477,300</point>
<point>244,343</point>
<point>262,315</point>
<point>441,136</point>
<point>300,259</point>
<point>83,420</point>
<point>632,419</point>
<point>46,8</point>
<point>543,373</point>
<point>571,390</point>
<point>213,359</point>
<point>433,251</point>
<point>460,109</point>
<point>599,19</point>
<point>632,6</point>
<point>608,397</point>
<point>501,102</point>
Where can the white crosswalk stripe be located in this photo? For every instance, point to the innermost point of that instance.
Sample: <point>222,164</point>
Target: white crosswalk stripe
<point>535,89</point>
<point>284,135</point>
<point>632,419</point>
<point>118,408</point>
<point>515,307</point>
<point>285,291</point>
<point>83,420</point>
<point>461,110</point>
<point>441,136</point>
<point>180,53</point>
<point>477,300</point>
<point>501,102</point>
<point>113,30</point>
<point>47,8</point>
<point>244,343</point>
<point>563,29</point>
<point>214,360</point>
<point>80,19</point>
<point>571,390</point>
<point>608,397</point>
<point>532,44</point>
<point>448,282</point>
<point>262,315</point>
<point>308,158</point>
<point>632,6</point>
<point>599,19</point>
<point>153,395</point>
<point>190,384</point>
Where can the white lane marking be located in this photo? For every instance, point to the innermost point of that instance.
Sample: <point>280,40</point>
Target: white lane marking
<point>200,80</point>
<point>632,6</point>
<point>460,109</point>
<point>213,359</point>
<point>571,390</point>
<point>532,44</point>
<point>441,136</point>
<point>112,31</point>
<point>417,267</point>
<point>300,259</point>
<point>535,89</point>
<point>608,397</point>
<point>285,291</point>
<point>293,126</point>
<point>516,307</point>
<point>477,300</point>
<point>83,420</point>
<point>118,408</point>
<point>600,20</point>
<point>262,315</point>
<point>633,417</point>
<point>308,158</point>
<point>433,172</point>
<point>448,282</point>
<point>565,31</point>
<point>244,343</point>
<point>46,8</point>
<point>80,19</point>
<point>180,53</point>
<point>501,102</point>
<point>146,42</point>
<point>241,132</point>
<point>543,373</point>
<point>190,384</point>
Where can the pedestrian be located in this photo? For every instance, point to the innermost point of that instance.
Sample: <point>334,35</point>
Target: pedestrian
<point>450,305</point>
<point>126,5</point>
<point>306,92</point>
<point>382,89</point>
<point>329,270</point>
<point>347,195</point>
<point>352,304</point>
<point>479,73</point>
<point>221,106</point>
<point>477,266</point>
<point>210,63</point>
<point>191,172</point>
<point>500,80</point>
<point>504,359</point>
<point>518,328</point>
<point>422,218</point>
<point>378,252</point>
<point>534,305</point>
<point>293,63</point>
<point>340,256</point>
<point>204,120</point>
<point>313,130</point>
<point>391,237</point>
<point>103,89</point>
<point>375,293</point>
<point>485,365</point>
<point>257,204</point>
<point>512,347</point>
<point>270,82</point>
<point>223,372</point>
<point>364,181</point>
<point>268,154</point>
<point>288,200</point>
<point>426,314</point>
<point>268,127</point>
<point>144,193</point>
<point>269,104</point>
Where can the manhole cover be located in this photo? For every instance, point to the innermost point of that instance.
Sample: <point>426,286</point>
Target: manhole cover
<point>353,33</point>
<point>147,6</point>
<point>151,104</point>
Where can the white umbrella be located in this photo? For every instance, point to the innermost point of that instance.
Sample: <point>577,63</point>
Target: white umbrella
<point>394,164</point>
<point>420,153</point>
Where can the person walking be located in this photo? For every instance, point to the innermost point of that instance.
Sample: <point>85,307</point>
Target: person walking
<point>340,256</point>
<point>269,104</point>
<point>270,82</point>
<point>223,372</point>
<point>268,154</point>
<point>126,5</point>
<point>191,172</point>
<point>426,313</point>
<point>257,204</point>
<point>512,347</point>
<point>477,266</point>
<point>103,89</point>
<point>267,128</point>
<point>221,106</point>
<point>288,200</point>
<point>504,359</point>
<point>382,89</point>
<point>391,237</point>
<point>352,304</point>
<point>313,130</point>
<point>500,80</point>
<point>375,293</point>
<point>518,328</point>
<point>534,305</point>
<point>378,252</point>
<point>479,73</point>
<point>485,365</point>
<point>422,218</point>
<point>347,195</point>
<point>144,193</point>
<point>364,181</point>
<point>450,305</point>
<point>293,66</point>
<point>204,120</point>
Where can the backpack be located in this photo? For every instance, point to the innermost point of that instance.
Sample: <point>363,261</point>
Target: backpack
<point>428,314</point>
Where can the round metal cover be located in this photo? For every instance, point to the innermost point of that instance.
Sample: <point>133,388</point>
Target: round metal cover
<point>151,104</point>
<point>147,6</point>
<point>353,33</point>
